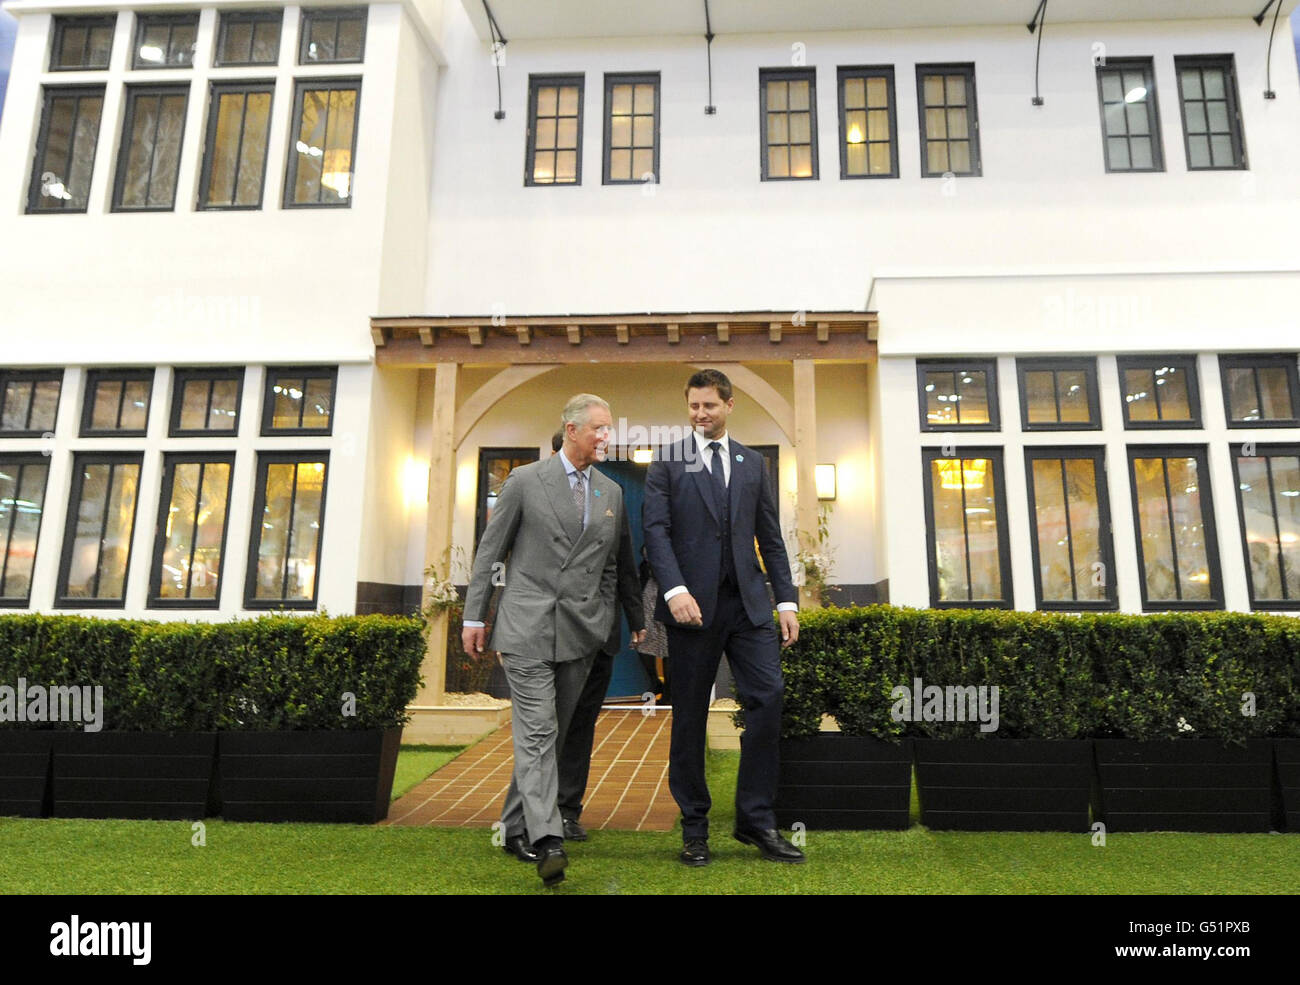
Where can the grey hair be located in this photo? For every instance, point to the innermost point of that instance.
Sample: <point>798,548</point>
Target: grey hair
<point>578,409</point>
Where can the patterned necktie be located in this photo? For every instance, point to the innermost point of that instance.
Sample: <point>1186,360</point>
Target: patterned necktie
<point>580,497</point>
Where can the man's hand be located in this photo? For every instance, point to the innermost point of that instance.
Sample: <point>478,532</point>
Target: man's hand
<point>685,609</point>
<point>638,637</point>
<point>789,627</point>
<point>474,640</point>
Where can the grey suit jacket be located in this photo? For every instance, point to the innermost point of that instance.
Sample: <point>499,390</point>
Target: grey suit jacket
<point>558,601</point>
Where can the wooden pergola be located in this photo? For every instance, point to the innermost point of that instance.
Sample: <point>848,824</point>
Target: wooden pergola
<point>528,346</point>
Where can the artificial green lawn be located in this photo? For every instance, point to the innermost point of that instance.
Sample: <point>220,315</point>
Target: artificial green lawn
<point>157,857</point>
<point>414,763</point>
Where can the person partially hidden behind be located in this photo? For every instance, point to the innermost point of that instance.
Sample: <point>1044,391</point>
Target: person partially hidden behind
<point>707,499</point>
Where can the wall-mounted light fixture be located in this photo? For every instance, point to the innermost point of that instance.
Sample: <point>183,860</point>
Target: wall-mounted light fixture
<point>642,456</point>
<point>825,482</point>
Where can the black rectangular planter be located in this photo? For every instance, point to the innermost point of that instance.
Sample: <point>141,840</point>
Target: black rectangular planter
<point>842,782</point>
<point>307,776</point>
<point>1004,784</point>
<point>25,772</point>
<point>152,775</point>
<point>1184,785</point>
<point>1286,753</point>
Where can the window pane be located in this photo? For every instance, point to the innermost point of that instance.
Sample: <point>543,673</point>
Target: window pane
<point>777,128</point>
<point>880,160</point>
<point>1198,149</point>
<point>959,156</point>
<point>1286,491</point>
<point>1262,546</point>
<point>1140,149</point>
<point>1191,83</point>
<point>102,536</point>
<point>1040,397</point>
<point>1195,117</point>
<point>568,101</point>
<point>855,159</point>
<point>194,405</point>
<point>1275,389</point>
<point>801,161</point>
<point>566,134</point>
<point>306,526</point>
<point>252,165</point>
<point>982,530</point>
<point>1139,395</point>
<point>778,162</point>
<point>1112,91</point>
<point>350,39</point>
<point>1073,386</point>
<point>877,92</point>
<point>225,405</point>
<point>949,530</point>
<point>932,86</point>
<point>956,122</point>
<point>266,42</point>
<point>566,166</point>
<point>135,406</point>
<point>1117,154</point>
<point>643,163</point>
<point>1171,384</point>
<point>1189,533</point>
<point>288,392</point>
<point>935,124</point>
<point>108,397</point>
<point>22,499</point>
<point>225,163</point>
<point>45,404</point>
<point>17,403</point>
<point>1153,524</point>
<point>1217,117</point>
<point>179,531</point>
<point>1136,116</point>
<point>936,156</point>
<point>941,398</point>
<point>1221,151</point>
<point>1242,402</point>
<point>643,131</point>
<point>182,44</point>
<point>316,405</point>
<point>1090,574</point>
<point>620,101</point>
<point>973,390</point>
<point>799,95</point>
<point>196,516</point>
<point>62,176</point>
<point>1214,83</point>
<point>210,524</point>
<point>1054,565</point>
<point>879,125</point>
<point>956,95</point>
<point>620,165</point>
<point>547,100</point>
<point>287,542</point>
<point>238,46</point>
<point>273,538</point>
<point>855,93</point>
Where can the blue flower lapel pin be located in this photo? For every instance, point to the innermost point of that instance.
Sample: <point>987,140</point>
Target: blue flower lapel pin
<point>740,458</point>
<point>595,492</point>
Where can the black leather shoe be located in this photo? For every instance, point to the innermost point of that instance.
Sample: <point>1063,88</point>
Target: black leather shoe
<point>695,852</point>
<point>551,865</point>
<point>573,831</point>
<point>770,845</point>
<point>518,846</point>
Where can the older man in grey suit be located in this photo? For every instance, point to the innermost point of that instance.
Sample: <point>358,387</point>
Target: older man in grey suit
<point>560,522</point>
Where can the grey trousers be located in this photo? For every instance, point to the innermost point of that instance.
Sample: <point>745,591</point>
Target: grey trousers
<point>543,694</point>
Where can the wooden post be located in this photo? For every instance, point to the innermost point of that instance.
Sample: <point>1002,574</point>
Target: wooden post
<point>442,498</point>
<point>805,452</point>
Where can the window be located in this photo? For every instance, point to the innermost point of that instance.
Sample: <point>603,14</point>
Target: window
<point>494,465</point>
<point>1130,118</point>
<point>1268,503</point>
<point>82,43</point>
<point>631,128</point>
<point>1260,391</point>
<point>958,394</point>
<point>191,528</point>
<point>284,553</point>
<point>1160,391</point>
<point>321,161</point>
<point>1207,88</point>
<point>251,38</point>
<point>1074,566</point>
<point>788,103</point>
<point>868,124</point>
<point>29,402</point>
<point>22,504</point>
<point>97,535</point>
<point>117,402</point>
<point>206,402</point>
<point>554,154</point>
<point>966,534</point>
<point>299,400</point>
<point>949,122</point>
<point>234,158</point>
<point>165,40</point>
<point>332,34</point>
<point>1178,556</point>
<point>150,156</point>
<point>1058,394</point>
<point>65,149</point>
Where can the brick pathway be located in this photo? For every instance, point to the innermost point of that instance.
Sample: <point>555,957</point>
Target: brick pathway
<point>627,788</point>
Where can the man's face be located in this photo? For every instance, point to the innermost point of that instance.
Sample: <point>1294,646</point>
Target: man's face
<point>589,441</point>
<point>707,410</point>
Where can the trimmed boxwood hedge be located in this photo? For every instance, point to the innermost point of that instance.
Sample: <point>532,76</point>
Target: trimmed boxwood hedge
<point>1060,676</point>
<point>272,673</point>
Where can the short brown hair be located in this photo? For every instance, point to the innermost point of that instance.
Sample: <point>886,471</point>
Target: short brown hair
<point>710,378</point>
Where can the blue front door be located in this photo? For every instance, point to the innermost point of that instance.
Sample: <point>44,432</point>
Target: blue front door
<point>629,679</point>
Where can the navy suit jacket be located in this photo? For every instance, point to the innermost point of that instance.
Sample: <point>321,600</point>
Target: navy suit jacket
<point>683,531</point>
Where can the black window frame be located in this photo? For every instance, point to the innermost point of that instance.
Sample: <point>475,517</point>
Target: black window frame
<point>535,82</point>
<point>211,374</point>
<point>1269,450</point>
<point>307,372</point>
<point>80,461</point>
<point>1097,454</point>
<point>634,79</point>
<point>93,378</point>
<point>886,72</point>
<point>486,455</point>
<point>1209,526</point>
<point>1147,65</point>
<point>62,22</point>
<point>48,95</point>
<point>338,15</point>
<point>1256,362</point>
<point>33,376</point>
<point>142,23</point>
<point>985,364</point>
<point>170,460</point>
<point>1187,363</point>
<point>269,15</point>
<point>994,453</point>
<point>972,124</point>
<point>1055,365</point>
<point>6,536</point>
<point>809,75</point>
<point>215,88</point>
<point>1227,64</point>
<point>265,459</point>
<point>301,87</point>
<point>133,92</point>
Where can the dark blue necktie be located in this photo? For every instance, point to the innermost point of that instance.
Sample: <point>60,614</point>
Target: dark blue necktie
<point>720,493</point>
<point>715,471</point>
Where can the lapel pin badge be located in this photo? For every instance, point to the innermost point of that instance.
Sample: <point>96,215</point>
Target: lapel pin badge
<point>595,492</point>
<point>610,514</point>
<point>740,458</point>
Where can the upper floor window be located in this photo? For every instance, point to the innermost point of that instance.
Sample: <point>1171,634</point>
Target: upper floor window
<point>631,128</point>
<point>1160,391</point>
<point>868,123</point>
<point>1207,87</point>
<point>958,394</point>
<point>150,156</point>
<point>1129,115</point>
<point>322,155</point>
<point>554,154</point>
<point>299,400</point>
<point>165,40</point>
<point>1058,394</point>
<point>117,402</point>
<point>249,37</point>
<point>65,149</point>
<point>333,34</point>
<point>949,121</point>
<point>205,402</point>
<point>1260,391</point>
<point>788,101</point>
<point>234,157</point>
<point>29,402</point>
<point>82,43</point>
